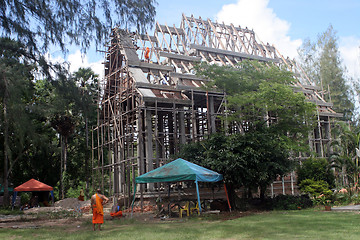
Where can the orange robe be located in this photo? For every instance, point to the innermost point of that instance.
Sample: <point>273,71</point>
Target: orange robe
<point>147,53</point>
<point>98,214</point>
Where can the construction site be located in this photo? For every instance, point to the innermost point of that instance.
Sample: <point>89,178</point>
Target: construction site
<point>152,102</point>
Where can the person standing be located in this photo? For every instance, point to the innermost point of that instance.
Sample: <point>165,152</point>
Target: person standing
<point>97,202</point>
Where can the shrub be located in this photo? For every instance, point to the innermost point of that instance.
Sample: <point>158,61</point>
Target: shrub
<point>315,188</point>
<point>289,202</point>
<point>317,169</point>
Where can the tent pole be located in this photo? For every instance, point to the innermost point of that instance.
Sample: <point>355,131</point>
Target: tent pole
<point>198,195</point>
<point>227,197</point>
<point>13,200</point>
<point>169,199</point>
<point>132,204</point>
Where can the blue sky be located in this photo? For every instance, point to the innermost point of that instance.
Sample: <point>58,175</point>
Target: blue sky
<point>284,23</point>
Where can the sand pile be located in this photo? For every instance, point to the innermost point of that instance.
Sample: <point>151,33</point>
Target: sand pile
<point>71,203</point>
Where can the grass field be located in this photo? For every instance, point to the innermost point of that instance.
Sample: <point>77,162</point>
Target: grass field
<point>304,224</point>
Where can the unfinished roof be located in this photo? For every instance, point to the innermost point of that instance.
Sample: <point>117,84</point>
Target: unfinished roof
<point>167,74</point>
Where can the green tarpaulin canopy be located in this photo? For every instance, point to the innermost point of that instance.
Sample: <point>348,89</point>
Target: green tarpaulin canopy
<point>179,170</point>
<point>10,189</point>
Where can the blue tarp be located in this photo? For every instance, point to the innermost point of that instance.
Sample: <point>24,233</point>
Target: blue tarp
<point>179,170</point>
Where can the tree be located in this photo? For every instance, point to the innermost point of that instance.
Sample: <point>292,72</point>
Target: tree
<point>273,120</point>
<point>252,160</point>
<point>40,24</point>
<point>317,169</point>
<point>260,95</point>
<point>16,91</point>
<point>321,62</point>
<point>345,154</point>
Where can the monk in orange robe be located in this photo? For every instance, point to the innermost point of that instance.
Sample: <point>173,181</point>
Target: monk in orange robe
<point>97,201</point>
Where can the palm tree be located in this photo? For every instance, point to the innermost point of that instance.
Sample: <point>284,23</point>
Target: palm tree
<point>344,157</point>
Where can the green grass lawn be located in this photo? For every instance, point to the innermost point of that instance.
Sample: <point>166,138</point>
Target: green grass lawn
<point>304,224</point>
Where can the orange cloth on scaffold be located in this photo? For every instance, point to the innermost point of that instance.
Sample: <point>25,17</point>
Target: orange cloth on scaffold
<point>98,214</point>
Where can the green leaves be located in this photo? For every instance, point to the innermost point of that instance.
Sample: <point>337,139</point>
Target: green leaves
<point>259,95</point>
<point>40,24</point>
<point>248,160</point>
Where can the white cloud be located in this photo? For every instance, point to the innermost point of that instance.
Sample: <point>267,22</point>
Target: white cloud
<point>256,15</point>
<point>77,60</point>
<point>349,48</point>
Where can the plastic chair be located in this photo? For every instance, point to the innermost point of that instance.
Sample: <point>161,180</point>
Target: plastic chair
<point>185,208</point>
<point>196,208</point>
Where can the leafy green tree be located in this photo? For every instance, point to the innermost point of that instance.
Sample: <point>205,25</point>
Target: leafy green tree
<point>40,24</point>
<point>252,160</point>
<point>68,106</point>
<point>260,95</point>
<point>317,169</point>
<point>321,62</point>
<point>345,154</point>
<point>15,92</point>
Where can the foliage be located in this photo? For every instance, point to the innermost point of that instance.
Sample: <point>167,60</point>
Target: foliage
<point>10,211</point>
<point>24,198</point>
<point>16,90</point>
<point>252,160</point>
<point>321,62</point>
<point>74,190</point>
<point>317,169</point>
<point>315,188</point>
<point>344,154</point>
<point>40,24</point>
<point>260,95</point>
<point>289,202</point>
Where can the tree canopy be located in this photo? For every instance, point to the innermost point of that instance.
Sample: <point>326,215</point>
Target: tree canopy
<point>40,24</point>
<point>321,62</point>
<point>259,95</point>
<point>274,122</point>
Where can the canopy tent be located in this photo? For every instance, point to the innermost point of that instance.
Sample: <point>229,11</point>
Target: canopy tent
<point>179,170</point>
<point>33,186</point>
<point>10,189</point>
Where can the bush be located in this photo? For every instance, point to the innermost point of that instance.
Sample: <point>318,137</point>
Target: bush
<point>315,188</point>
<point>289,202</point>
<point>317,169</point>
<point>24,198</point>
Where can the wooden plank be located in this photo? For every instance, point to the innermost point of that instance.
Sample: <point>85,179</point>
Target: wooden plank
<point>233,54</point>
<point>188,77</point>
<point>145,65</point>
<point>180,57</point>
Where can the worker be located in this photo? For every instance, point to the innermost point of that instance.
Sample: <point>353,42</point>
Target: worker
<point>97,202</point>
<point>117,212</point>
<point>147,54</point>
<point>81,196</point>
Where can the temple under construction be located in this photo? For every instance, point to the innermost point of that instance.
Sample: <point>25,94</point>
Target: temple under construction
<point>152,102</point>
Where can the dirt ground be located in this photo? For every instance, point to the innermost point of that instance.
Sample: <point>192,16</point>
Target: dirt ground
<point>40,220</point>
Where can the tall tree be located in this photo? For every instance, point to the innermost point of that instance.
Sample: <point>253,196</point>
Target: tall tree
<point>39,24</point>
<point>252,160</point>
<point>322,63</point>
<point>260,95</point>
<point>345,155</point>
<point>273,121</point>
<point>15,92</point>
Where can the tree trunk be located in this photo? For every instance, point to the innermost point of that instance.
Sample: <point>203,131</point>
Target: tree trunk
<point>262,192</point>
<point>61,192</point>
<point>87,177</point>
<point>6,149</point>
<point>232,196</point>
